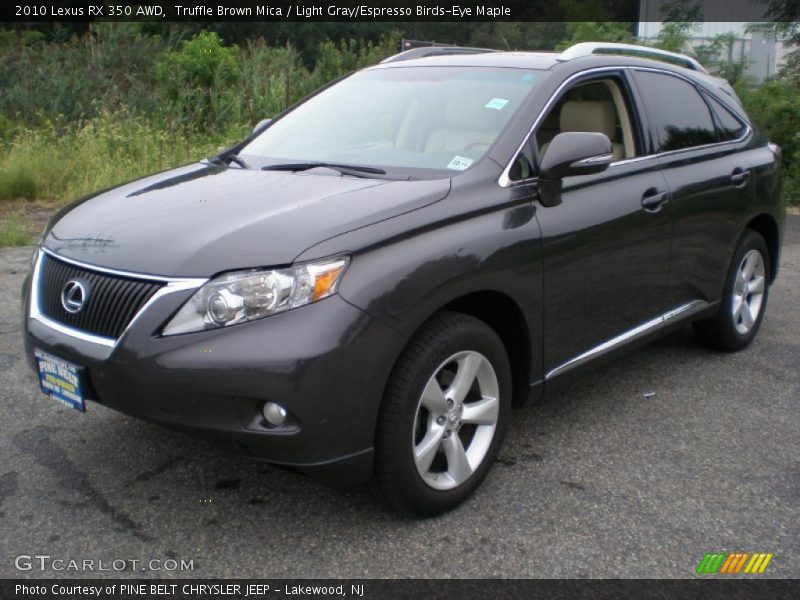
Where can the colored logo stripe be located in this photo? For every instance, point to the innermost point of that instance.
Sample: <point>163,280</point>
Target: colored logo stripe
<point>758,563</point>
<point>711,562</point>
<point>733,563</point>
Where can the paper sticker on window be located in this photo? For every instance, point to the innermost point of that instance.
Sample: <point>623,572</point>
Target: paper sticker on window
<point>496,103</point>
<point>459,163</point>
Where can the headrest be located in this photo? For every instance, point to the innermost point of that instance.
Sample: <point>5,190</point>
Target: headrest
<point>588,116</point>
<point>471,115</point>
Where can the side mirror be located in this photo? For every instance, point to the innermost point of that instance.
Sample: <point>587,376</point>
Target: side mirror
<point>576,153</point>
<point>572,153</point>
<point>261,125</point>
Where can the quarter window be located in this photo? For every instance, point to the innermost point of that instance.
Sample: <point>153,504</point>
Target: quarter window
<point>729,126</point>
<point>679,115</point>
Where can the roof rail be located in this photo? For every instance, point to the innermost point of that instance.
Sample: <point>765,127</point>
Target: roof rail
<point>589,48</point>
<point>425,51</point>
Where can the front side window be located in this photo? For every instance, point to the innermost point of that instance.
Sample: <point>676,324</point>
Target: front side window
<point>679,115</point>
<point>432,121</point>
<point>599,106</point>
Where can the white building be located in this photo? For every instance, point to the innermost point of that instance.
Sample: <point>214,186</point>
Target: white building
<point>762,56</point>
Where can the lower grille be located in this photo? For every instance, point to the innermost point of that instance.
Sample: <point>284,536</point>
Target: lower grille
<point>110,302</point>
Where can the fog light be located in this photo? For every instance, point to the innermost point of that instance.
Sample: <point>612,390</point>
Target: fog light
<point>274,413</point>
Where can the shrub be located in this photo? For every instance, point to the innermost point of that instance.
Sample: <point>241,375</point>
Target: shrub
<point>198,78</point>
<point>774,107</point>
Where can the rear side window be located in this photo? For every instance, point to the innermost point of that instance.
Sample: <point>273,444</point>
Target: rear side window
<point>730,127</point>
<point>679,115</point>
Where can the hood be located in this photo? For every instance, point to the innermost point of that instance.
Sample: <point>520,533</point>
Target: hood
<point>199,220</point>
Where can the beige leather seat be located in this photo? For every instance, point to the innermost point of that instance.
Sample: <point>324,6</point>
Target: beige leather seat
<point>465,126</point>
<point>594,116</point>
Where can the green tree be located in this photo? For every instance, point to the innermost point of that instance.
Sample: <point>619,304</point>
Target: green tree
<point>596,31</point>
<point>680,19</point>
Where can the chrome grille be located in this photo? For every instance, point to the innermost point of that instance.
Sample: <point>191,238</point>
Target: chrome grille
<point>111,303</point>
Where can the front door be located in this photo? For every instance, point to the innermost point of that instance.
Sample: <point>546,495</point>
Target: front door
<point>607,244</point>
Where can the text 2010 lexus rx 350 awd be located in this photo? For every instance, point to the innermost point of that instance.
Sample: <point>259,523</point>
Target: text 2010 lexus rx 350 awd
<point>368,284</point>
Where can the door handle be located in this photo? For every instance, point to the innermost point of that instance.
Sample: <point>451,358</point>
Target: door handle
<point>653,200</point>
<point>740,177</point>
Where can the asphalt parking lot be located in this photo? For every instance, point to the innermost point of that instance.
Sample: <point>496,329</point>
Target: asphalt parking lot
<point>595,481</point>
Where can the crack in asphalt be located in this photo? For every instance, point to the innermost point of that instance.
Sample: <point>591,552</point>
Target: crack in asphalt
<point>37,443</point>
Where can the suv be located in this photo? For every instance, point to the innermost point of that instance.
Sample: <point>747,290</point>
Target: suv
<point>369,283</point>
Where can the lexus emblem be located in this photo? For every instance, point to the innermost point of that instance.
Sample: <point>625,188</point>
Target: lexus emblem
<point>74,296</point>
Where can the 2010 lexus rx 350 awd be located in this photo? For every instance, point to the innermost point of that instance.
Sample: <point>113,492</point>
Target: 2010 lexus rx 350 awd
<point>368,284</point>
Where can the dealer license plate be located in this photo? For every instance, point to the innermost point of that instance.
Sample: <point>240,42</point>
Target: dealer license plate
<point>61,380</point>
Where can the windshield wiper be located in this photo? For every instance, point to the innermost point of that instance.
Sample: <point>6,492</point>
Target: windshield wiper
<point>226,158</point>
<point>355,170</point>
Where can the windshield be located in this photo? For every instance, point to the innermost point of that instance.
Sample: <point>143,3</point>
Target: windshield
<point>425,119</point>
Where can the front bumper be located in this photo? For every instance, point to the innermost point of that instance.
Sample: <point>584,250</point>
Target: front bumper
<point>326,363</point>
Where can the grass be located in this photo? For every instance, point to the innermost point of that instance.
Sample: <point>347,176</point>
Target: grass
<point>17,182</point>
<point>14,232</point>
<point>57,164</point>
<point>65,163</point>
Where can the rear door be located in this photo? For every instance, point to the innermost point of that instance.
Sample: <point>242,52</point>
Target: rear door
<point>699,145</point>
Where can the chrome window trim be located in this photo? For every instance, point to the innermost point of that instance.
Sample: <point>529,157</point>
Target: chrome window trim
<point>669,317</point>
<point>505,181</point>
<point>171,286</point>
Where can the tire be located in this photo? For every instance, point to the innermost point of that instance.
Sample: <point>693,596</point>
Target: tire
<point>744,299</point>
<point>433,404</point>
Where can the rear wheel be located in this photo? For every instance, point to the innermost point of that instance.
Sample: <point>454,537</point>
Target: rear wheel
<point>443,416</point>
<point>744,299</point>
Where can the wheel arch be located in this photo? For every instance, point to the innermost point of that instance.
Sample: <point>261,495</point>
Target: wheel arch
<point>767,227</point>
<point>502,313</point>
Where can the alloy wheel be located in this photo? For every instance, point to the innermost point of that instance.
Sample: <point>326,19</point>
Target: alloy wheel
<point>455,421</point>
<point>748,291</point>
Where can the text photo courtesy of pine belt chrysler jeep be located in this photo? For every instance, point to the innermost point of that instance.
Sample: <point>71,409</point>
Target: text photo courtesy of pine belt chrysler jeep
<point>366,286</point>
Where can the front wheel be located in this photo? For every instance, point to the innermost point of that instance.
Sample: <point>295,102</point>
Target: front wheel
<point>744,298</point>
<point>443,416</point>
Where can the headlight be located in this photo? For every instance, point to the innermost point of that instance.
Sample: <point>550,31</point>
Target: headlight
<point>242,296</point>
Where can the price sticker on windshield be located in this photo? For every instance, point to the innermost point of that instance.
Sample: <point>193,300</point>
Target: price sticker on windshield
<point>459,163</point>
<point>496,103</point>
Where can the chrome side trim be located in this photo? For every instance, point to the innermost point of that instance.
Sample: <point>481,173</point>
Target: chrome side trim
<point>686,310</point>
<point>626,337</point>
<point>34,312</point>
